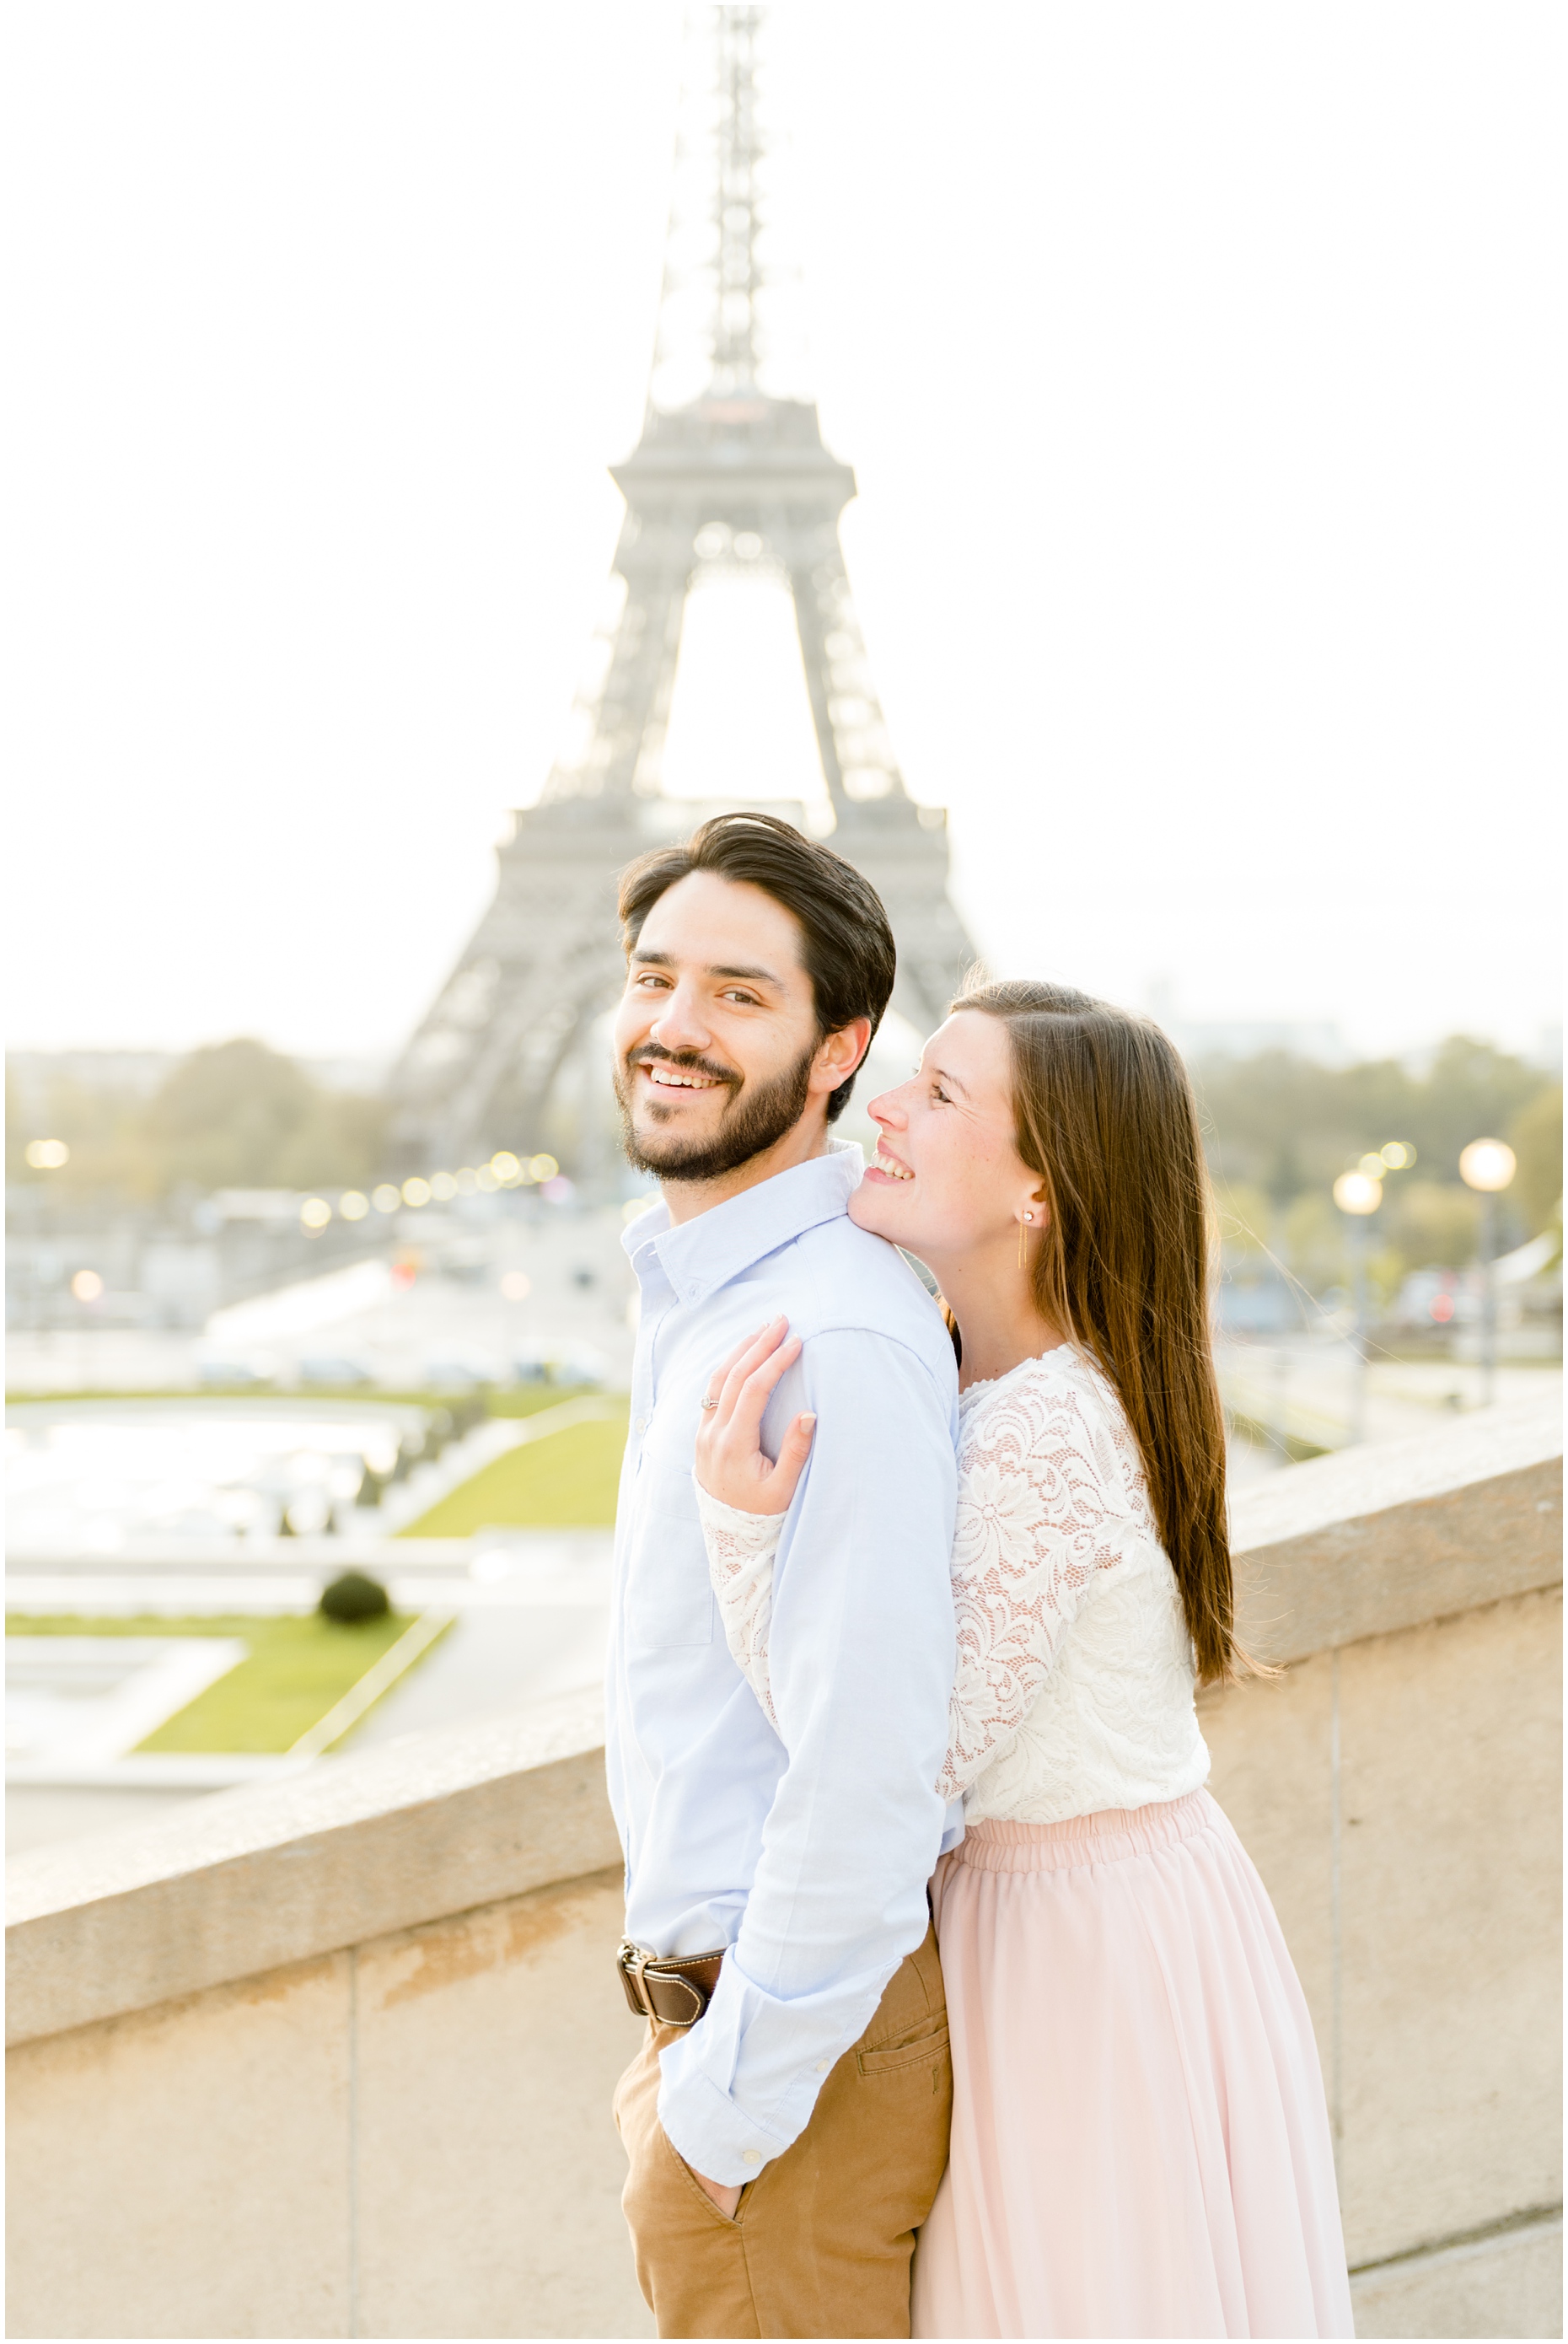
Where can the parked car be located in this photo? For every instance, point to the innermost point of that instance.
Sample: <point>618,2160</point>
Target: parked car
<point>576,1364</point>
<point>239,1374</point>
<point>334,1371</point>
<point>461,1374</point>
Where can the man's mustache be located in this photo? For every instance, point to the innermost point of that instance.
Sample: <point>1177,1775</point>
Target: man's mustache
<point>689,1061</point>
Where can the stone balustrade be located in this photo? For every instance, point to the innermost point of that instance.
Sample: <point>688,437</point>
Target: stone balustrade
<point>333,2056</point>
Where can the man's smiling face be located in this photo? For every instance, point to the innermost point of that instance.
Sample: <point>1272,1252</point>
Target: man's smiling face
<point>717,1043</point>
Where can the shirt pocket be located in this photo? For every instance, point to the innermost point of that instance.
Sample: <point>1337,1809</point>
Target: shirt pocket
<point>668,1598</point>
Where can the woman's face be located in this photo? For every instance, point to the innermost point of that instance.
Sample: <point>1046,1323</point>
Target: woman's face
<point>948,1178</point>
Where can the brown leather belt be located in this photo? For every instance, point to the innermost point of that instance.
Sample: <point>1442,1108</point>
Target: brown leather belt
<point>673,1989</point>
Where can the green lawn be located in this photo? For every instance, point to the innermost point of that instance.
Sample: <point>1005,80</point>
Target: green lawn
<point>296,1670</point>
<point>565,1480</point>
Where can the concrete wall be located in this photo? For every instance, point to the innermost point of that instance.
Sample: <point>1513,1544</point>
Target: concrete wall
<point>1416,1880</point>
<point>335,2057</point>
<point>405,2135</point>
<point>411,2138</point>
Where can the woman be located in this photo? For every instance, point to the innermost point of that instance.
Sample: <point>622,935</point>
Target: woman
<point>1140,2144</point>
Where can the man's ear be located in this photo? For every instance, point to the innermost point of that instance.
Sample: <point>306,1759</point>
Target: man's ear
<point>839,1055</point>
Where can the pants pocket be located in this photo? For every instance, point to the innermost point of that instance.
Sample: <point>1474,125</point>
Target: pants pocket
<point>923,2046</point>
<point>690,2182</point>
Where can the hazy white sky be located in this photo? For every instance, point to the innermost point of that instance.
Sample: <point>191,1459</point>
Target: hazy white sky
<point>1196,362</point>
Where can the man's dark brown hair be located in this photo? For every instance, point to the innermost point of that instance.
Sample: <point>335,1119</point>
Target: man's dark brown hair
<point>848,946</point>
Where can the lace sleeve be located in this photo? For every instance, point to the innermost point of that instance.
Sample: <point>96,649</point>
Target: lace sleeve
<point>1046,1500</point>
<point>741,1548</point>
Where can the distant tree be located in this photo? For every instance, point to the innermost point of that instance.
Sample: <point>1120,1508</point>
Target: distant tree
<point>100,1126</point>
<point>1430,1224</point>
<point>226,1117</point>
<point>240,1115</point>
<point>1244,1217</point>
<point>339,1145</point>
<point>17,1135</point>
<point>1315,1248</point>
<point>1286,1125</point>
<point>235,1115</point>
<point>1472,1092</point>
<point>1536,1136</point>
<point>1282,1128</point>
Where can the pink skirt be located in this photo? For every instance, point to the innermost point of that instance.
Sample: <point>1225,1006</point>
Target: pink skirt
<point>1140,2143</point>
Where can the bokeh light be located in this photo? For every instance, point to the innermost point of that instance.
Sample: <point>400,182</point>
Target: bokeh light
<point>1488,1165</point>
<point>443,1186</point>
<point>416,1191</point>
<point>47,1155</point>
<point>1358,1192</point>
<point>86,1286</point>
<point>1398,1155</point>
<point>505,1167</point>
<point>516,1285</point>
<point>315,1213</point>
<point>387,1198</point>
<point>542,1168</point>
<point>353,1205</point>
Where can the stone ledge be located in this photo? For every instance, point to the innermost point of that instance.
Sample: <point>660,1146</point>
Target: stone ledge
<point>252,1879</point>
<point>358,1847</point>
<point>1380,1538</point>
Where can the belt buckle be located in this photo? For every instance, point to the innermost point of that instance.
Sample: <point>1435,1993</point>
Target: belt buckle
<point>632,1960</point>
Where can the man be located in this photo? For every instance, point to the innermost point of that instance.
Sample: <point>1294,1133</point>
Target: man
<point>787,2119</point>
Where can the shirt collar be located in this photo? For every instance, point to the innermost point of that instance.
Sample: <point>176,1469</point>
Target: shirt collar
<point>705,1254</point>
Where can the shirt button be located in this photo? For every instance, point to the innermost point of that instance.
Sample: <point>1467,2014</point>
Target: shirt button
<point>750,2156</point>
<point>823,2066</point>
<point>642,1424</point>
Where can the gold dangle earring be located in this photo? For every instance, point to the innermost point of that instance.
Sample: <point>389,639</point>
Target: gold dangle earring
<point>1023,1260</point>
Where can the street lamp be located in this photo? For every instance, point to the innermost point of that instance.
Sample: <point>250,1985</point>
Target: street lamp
<point>1358,1194</point>
<point>1488,1165</point>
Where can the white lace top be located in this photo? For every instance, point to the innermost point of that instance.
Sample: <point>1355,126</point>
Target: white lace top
<point>1075,1672</point>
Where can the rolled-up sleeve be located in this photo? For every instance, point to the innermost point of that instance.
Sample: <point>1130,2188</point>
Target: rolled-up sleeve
<point>861,1658</point>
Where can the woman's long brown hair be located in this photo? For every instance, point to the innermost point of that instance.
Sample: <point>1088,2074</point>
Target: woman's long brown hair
<point>1105,1115</point>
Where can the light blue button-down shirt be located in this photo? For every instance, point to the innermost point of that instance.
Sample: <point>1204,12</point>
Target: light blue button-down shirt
<point>806,1851</point>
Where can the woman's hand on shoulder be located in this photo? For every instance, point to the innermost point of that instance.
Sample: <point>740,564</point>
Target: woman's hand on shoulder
<point>731,1463</point>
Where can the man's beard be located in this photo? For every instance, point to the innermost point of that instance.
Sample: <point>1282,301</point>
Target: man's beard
<point>754,1120</point>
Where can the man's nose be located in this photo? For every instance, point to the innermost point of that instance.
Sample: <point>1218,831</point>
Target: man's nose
<point>680,1025</point>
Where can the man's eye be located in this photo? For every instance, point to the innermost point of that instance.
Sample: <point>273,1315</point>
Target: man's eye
<point>747,1000</point>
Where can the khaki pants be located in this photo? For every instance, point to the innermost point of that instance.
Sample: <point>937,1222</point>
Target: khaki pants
<point>820,2242</point>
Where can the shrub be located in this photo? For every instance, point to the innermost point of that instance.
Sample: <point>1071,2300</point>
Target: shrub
<point>354,1597</point>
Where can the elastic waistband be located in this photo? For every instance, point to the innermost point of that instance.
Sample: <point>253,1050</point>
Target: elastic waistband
<point>1109,1837</point>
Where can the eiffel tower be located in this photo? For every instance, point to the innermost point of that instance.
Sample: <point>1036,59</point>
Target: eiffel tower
<point>734,480</point>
